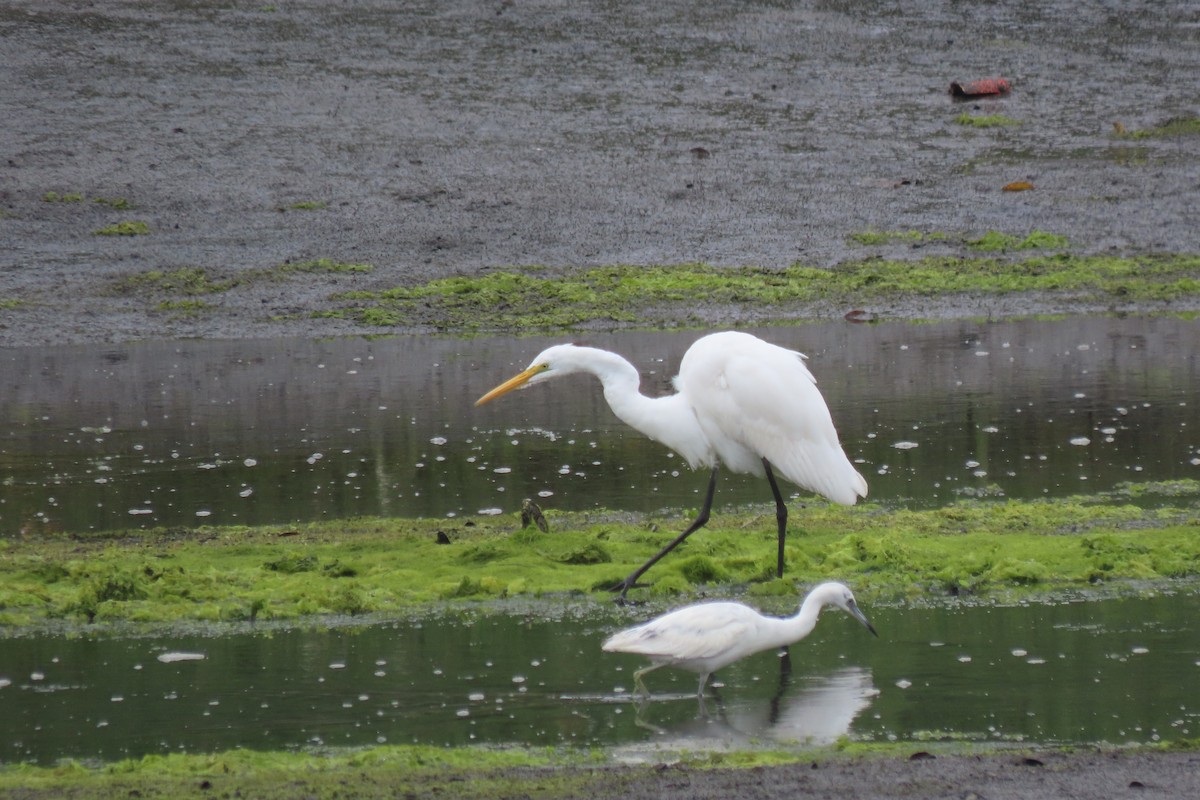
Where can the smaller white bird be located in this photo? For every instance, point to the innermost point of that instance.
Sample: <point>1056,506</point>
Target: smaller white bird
<point>704,637</point>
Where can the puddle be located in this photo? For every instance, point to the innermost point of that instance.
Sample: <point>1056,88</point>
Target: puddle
<point>1118,671</point>
<point>182,433</point>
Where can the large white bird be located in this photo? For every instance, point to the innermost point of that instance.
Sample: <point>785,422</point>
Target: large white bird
<point>704,637</point>
<point>742,402</point>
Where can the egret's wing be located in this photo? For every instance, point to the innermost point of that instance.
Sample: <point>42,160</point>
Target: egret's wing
<point>756,400</point>
<point>697,632</point>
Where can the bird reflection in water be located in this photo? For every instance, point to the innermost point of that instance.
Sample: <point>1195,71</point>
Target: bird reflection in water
<point>812,710</point>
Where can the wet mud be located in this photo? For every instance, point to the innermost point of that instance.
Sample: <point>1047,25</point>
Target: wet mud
<point>428,139</point>
<point>925,775</point>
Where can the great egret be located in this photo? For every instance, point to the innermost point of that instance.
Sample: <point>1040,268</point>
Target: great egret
<point>704,637</point>
<point>742,402</point>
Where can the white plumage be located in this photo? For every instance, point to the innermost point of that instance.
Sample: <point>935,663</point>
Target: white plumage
<point>755,400</point>
<point>704,637</point>
<point>742,402</point>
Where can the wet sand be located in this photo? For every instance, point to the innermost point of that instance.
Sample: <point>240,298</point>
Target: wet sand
<point>448,138</point>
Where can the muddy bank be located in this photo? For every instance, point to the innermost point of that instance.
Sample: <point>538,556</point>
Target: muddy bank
<point>433,139</point>
<point>919,774</point>
<point>997,776</point>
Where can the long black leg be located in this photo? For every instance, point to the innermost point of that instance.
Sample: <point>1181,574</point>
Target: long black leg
<point>627,584</point>
<point>785,656</point>
<point>780,514</point>
<point>785,677</point>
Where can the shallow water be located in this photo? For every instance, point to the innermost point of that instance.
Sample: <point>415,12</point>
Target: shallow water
<point>143,435</point>
<point>278,431</point>
<point>1117,671</point>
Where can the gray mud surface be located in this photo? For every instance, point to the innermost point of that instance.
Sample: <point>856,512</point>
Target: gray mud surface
<point>455,137</point>
<point>1087,776</point>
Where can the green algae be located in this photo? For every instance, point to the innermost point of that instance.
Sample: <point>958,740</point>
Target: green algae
<point>390,771</point>
<point>1172,128</point>
<point>532,298</point>
<point>542,298</point>
<point>419,771</point>
<point>985,120</point>
<point>189,281</point>
<point>115,203</point>
<point>127,228</point>
<point>62,197</point>
<point>177,289</point>
<point>390,566</point>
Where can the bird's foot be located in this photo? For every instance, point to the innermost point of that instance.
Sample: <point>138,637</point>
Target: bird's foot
<point>622,589</point>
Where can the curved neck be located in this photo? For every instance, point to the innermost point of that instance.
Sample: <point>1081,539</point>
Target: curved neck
<point>789,630</point>
<point>806,617</point>
<point>669,419</point>
<point>620,379</point>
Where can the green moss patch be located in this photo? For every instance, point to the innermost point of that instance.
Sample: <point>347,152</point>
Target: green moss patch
<point>470,772</point>
<point>177,289</point>
<point>399,771</point>
<point>392,565</point>
<point>543,298</point>
<point>117,203</point>
<point>1172,128</point>
<point>62,197</point>
<point>128,228</point>
<point>188,281</point>
<point>985,120</point>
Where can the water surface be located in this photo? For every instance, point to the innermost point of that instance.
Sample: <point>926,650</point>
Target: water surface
<point>278,431</point>
<point>1068,672</point>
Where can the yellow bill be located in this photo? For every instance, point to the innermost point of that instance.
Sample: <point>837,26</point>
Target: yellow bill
<point>515,382</point>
